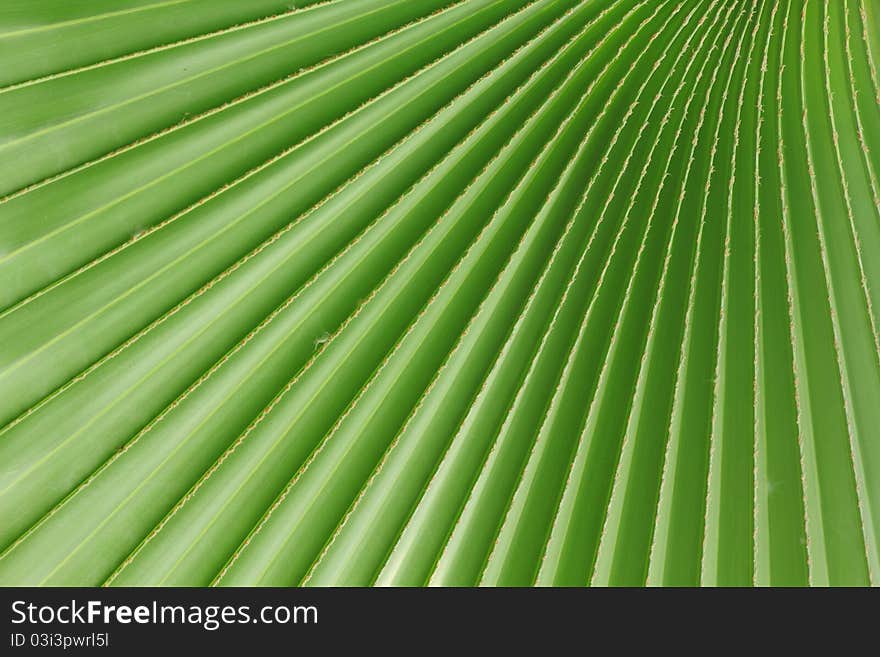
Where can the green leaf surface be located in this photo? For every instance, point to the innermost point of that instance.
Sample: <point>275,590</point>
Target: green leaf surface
<point>448,292</point>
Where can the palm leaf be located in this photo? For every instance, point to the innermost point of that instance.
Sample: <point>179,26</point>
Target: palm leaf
<point>453,292</point>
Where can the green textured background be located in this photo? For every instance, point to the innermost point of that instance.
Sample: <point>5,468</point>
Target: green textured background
<point>500,292</point>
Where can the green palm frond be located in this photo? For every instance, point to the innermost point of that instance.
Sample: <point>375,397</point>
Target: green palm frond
<point>453,292</point>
